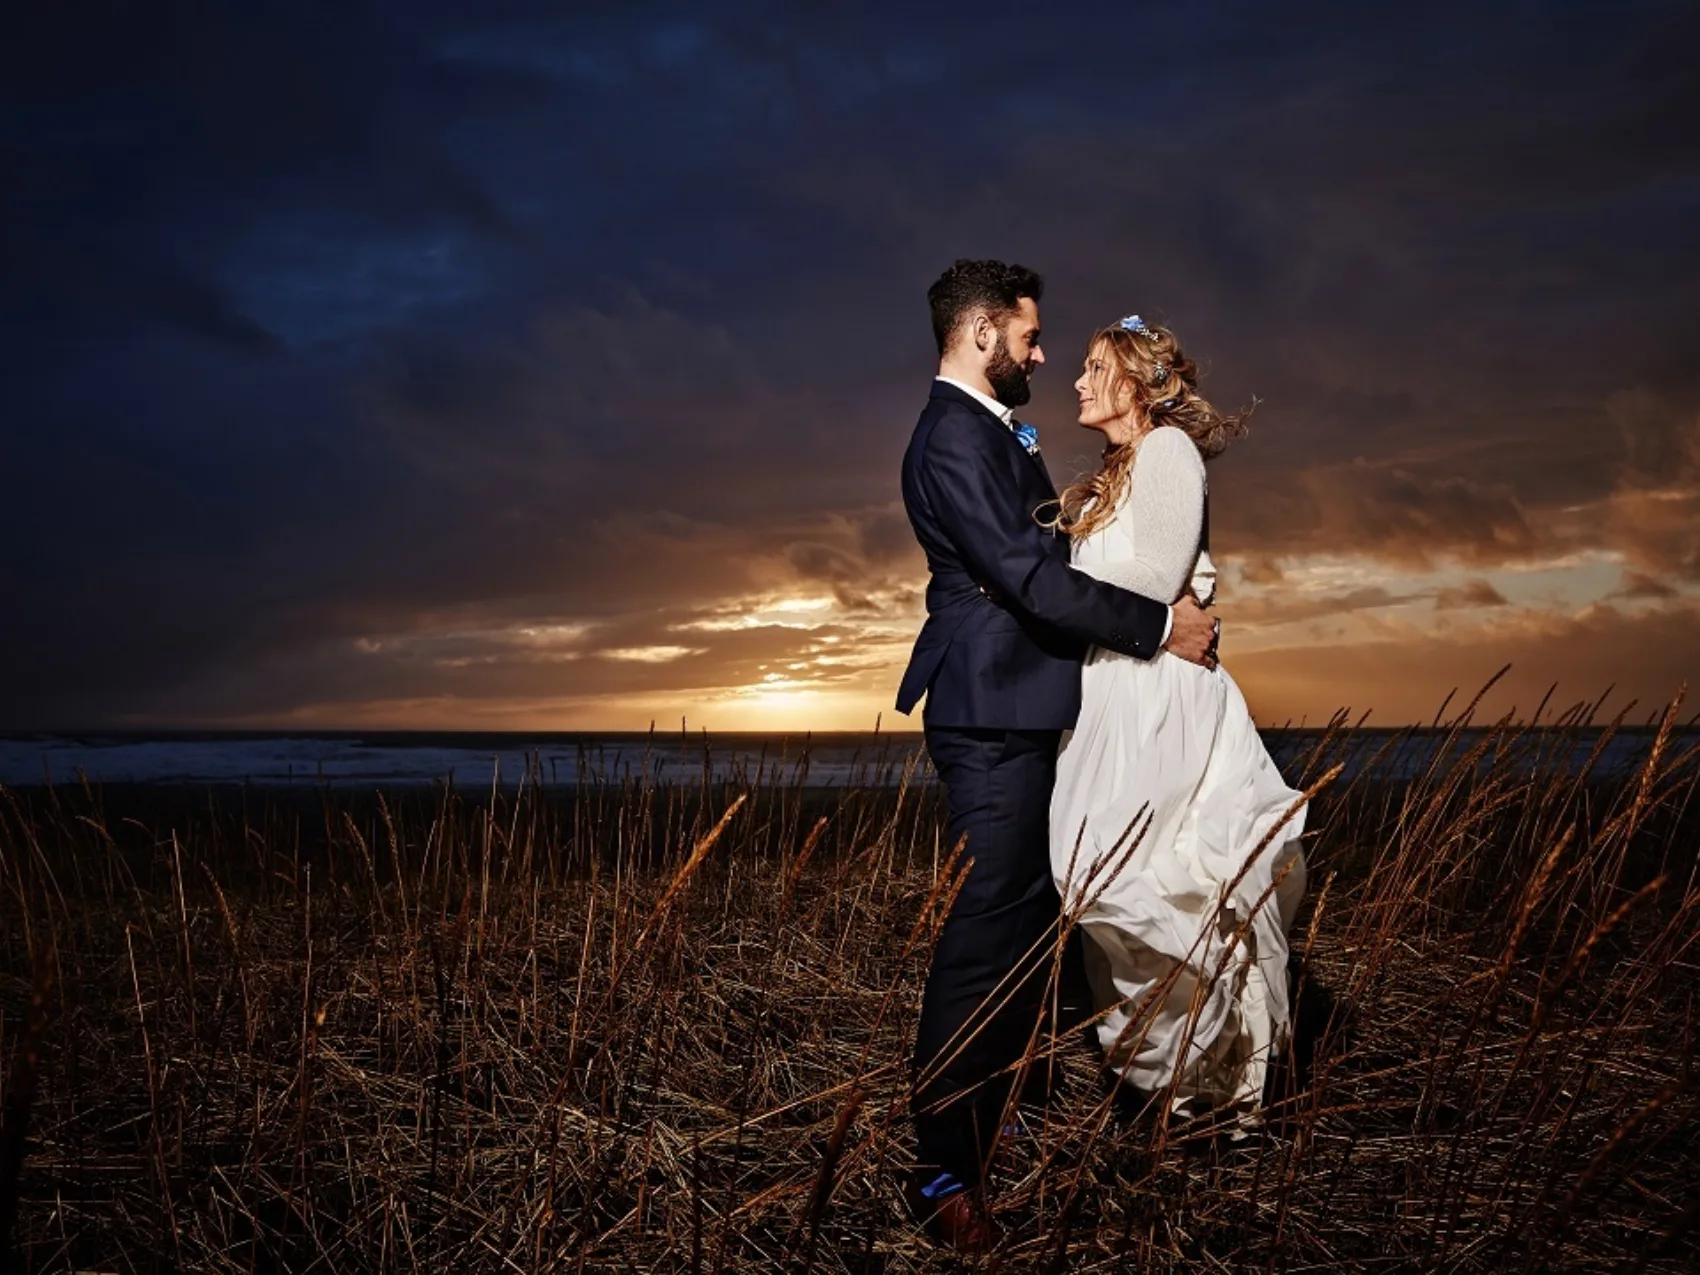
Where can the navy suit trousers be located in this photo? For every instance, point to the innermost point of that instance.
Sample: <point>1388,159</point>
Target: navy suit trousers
<point>997,791</point>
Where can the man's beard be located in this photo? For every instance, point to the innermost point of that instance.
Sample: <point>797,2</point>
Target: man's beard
<point>1009,380</point>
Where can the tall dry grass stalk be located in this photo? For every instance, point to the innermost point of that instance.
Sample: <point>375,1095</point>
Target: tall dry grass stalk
<point>645,1026</point>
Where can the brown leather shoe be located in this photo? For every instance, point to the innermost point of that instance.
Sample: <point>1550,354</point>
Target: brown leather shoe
<point>959,1221</point>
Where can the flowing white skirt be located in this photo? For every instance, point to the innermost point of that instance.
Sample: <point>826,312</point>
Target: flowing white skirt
<point>1199,995</point>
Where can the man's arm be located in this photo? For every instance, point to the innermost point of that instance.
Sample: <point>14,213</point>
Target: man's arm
<point>974,497</point>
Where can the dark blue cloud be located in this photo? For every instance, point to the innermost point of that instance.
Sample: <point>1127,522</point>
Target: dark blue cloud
<point>320,318</point>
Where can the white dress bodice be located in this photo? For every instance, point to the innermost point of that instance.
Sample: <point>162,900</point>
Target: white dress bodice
<point>1151,546</point>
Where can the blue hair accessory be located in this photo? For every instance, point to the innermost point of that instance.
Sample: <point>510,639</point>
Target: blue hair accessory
<point>1133,323</point>
<point>1027,435</point>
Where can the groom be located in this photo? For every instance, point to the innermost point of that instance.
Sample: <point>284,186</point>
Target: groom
<point>1008,623</point>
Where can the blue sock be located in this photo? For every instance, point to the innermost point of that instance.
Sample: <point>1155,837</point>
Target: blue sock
<point>946,1184</point>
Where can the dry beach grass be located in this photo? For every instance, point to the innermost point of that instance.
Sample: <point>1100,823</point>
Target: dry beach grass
<point>665,1027</point>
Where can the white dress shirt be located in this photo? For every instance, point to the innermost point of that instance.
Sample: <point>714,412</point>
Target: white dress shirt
<point>1007,416</point>
<point>997,409</point>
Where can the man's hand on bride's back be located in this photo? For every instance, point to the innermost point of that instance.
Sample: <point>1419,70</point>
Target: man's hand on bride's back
<point>1193,634</point>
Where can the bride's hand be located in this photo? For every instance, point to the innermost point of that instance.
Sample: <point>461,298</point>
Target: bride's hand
<point>1193,635</point>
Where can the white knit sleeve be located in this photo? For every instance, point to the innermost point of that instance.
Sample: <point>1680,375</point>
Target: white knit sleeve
<point>1164,512</point>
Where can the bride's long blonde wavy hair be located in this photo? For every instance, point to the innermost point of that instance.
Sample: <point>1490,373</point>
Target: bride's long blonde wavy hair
<point>1144,368</point>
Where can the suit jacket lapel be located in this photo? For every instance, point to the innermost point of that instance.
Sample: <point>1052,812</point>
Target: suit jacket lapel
<point>942,389</point>
<point>1044,473</point>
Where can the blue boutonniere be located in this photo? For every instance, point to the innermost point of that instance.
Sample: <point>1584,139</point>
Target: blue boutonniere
<point>1028,436</point>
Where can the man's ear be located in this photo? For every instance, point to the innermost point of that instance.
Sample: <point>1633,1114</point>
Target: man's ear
<point>984,332</point>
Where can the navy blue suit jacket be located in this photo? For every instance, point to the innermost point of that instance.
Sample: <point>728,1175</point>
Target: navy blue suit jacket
<point>1008,620</point>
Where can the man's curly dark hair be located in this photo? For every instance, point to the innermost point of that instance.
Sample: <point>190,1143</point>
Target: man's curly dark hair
<point>968,285</point>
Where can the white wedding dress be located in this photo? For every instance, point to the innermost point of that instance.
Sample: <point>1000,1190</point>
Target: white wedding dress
<point>1167,940</point>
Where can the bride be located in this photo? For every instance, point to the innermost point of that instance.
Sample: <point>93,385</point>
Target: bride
<point>1164,792</point>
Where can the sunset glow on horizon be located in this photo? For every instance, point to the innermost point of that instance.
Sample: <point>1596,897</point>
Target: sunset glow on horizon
<point>1298,628</point>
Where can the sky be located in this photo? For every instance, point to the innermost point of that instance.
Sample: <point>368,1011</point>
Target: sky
<point>537,366</point>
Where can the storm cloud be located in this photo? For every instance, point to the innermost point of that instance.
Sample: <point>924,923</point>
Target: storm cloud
<point>428,364</point>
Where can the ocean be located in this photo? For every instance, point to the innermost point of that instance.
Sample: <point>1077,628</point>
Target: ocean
<point>375,759</point>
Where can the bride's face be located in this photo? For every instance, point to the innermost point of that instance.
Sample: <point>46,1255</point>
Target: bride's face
<point>1106,402</point>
